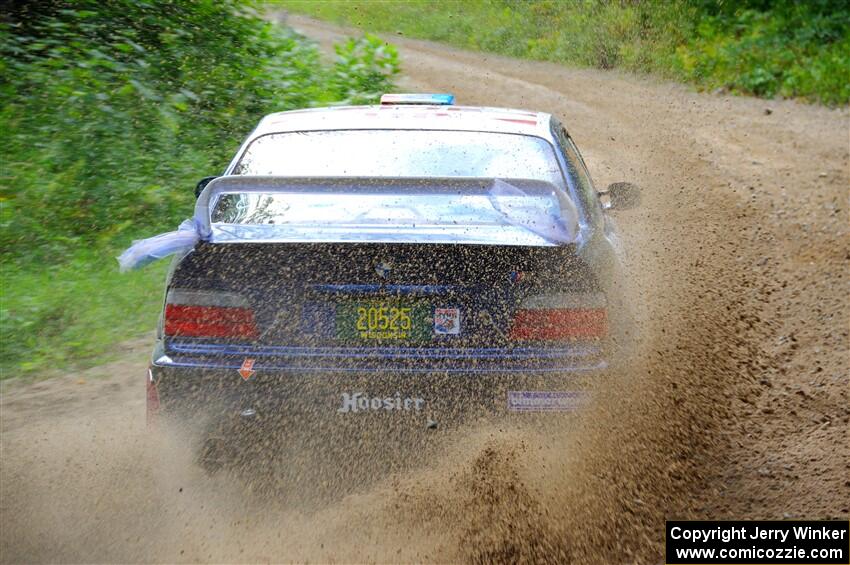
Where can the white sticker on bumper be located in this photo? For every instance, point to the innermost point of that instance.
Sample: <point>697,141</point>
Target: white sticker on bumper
<point>544,400</point>
<point>447,321</point>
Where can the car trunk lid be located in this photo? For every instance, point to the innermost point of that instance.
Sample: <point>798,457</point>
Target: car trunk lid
<point>384,295</point>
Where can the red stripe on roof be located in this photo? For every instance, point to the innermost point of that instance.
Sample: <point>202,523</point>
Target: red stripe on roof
<point>518,121</point>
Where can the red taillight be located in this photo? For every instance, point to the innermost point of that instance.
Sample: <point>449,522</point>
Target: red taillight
<point>209,321</point>
<point>559,324</point>
<point>208,314</point>
<point>561,317</point>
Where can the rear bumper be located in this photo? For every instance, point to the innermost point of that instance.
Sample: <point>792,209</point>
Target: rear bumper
<point>426,385</point>
<point>578,357</point>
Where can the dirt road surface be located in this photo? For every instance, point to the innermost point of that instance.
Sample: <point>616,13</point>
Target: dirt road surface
<point>737,406</point>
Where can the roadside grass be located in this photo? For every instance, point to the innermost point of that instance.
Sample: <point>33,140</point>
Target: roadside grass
<point>779,48</point>
<point>73,314</point>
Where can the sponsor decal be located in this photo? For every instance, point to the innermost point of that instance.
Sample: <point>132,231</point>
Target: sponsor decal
<point>362,402</point>
<point>544,400</point>
<point>447,321</point>
<point>247,369</point>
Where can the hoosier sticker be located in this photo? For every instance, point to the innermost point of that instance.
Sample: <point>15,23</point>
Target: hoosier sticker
<point>543,400</point>
<point>447,321</point>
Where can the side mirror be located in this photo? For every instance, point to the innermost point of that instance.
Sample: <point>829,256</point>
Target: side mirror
<point>620,196</point>
<point>202,184</point>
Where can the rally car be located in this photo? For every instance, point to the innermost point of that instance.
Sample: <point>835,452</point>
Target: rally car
<point>406,264</point>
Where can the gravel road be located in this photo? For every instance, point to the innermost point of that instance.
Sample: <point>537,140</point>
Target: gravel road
<point>737,406</point>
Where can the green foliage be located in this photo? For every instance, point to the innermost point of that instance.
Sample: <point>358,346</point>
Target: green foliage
<point>784,48</point>
<point>66,314</point>
<point>109,114</point>
<point>759,47</point>
<point>363,69</point>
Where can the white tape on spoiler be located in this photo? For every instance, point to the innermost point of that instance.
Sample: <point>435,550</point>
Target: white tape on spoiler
<point>144,251</point>
<point>188,234</point>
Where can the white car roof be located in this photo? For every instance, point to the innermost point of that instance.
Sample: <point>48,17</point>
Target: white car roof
<point>400,116</point>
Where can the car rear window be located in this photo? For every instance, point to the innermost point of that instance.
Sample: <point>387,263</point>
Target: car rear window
<point>401,153</point>
<point>427,208</point>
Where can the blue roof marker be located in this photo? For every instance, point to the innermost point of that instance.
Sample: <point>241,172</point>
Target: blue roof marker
<point>424,99</point>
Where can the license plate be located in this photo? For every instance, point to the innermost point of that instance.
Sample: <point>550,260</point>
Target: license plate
<point>384,321</point>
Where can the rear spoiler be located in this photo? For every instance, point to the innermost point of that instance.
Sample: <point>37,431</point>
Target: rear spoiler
<point>520,212</point>
<point>556,228</point>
